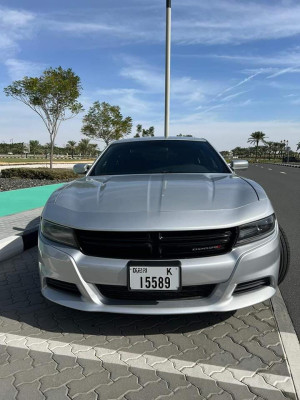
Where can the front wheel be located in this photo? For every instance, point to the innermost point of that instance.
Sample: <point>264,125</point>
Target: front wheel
<point>284,256</point>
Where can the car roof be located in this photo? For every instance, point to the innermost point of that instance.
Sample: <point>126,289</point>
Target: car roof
<point>151,138</point>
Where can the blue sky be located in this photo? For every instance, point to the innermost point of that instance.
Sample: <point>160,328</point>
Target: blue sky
<point>235,64</point>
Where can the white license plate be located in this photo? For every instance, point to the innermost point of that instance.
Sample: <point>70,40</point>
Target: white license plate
<point>154,278</point>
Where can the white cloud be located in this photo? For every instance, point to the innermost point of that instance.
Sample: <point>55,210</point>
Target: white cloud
<point>183,88</point>
<point>230,21</point>
<point>242,82</point>
<point>226,135</point>
<point>15,25</point>
<point>17,69</point>
<point>194,21</point>
<point>290,58</point>
<point>82,28</point>
<point>129,101</point>
<point>233,96</point>
<point>282,72</point>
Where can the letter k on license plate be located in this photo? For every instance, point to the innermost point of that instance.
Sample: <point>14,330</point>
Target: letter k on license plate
<point>154,278</point>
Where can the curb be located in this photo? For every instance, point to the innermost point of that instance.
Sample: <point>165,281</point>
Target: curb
<point>14,245</point>
<point>288,165</point>
<point>280,165</point>
<point>288,338</point>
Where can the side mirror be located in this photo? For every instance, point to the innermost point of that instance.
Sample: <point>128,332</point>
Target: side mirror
<point>239,164</point>
<point>81,169</point>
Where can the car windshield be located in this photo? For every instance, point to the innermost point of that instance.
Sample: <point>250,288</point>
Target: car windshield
<point>159,156</point>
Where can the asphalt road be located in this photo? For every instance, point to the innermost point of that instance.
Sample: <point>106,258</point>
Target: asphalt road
<point>282,185</point>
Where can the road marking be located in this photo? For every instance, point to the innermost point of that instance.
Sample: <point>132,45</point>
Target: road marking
<point>283,173</point>
<point>270,169</point>
<point>261,167</point>
<point>146,361</point>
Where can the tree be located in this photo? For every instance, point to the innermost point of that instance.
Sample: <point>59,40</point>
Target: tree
<point>269,148</point>
<point>148,132</point>
<point>47,148</point>
<point>140,131</point>
<point>105,122</point>
<point>34,146</point>
<point>298,146</point>
<point>256,138</point>
<point>71,145</point>
<point>85,147</point>
<point>53,96</point>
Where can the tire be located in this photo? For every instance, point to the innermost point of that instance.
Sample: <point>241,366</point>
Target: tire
<point>284,256</point>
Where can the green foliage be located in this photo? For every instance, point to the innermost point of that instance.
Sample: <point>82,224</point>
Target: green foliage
<point>104,121</point>
<point>39,173</point>
<point>53,96</point>
<point>85,147</point>
<point>141,132</point>
<point>256,138</point>
<point>35,146</point>
<point>71,145</point>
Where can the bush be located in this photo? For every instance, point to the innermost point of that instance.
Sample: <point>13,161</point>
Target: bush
<point>39,173</point>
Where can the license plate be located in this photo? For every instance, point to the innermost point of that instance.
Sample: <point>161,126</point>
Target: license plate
<point>154,278</point>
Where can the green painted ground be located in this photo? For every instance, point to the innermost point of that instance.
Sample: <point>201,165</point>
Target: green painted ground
<point>15,201</point>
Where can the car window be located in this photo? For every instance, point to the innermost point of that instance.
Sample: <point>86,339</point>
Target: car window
<point>159,156</point>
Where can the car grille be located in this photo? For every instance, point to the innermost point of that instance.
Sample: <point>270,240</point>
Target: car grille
<point>187,292</point>
<point>156,245</point>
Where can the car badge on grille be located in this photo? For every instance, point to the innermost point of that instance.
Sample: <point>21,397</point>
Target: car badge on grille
<point>207,248</point>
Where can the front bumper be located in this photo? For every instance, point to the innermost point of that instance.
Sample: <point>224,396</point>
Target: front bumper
<point>250,262</point>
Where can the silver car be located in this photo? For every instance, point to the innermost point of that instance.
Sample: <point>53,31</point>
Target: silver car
<point>160,226</point>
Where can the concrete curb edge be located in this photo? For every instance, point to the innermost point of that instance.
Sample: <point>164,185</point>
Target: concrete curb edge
<point>288,337</point>
<point>14,245</point>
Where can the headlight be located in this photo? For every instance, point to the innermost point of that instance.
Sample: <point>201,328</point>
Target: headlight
<point>58,233</point>
<point>256,230</point>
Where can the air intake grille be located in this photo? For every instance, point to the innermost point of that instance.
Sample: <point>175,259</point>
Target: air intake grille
<point>60,285</point>
<point>251,285</point>
<point>187,292</point>
<point>156,245</point>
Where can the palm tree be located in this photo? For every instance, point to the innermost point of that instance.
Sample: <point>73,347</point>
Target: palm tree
<point>256,138</point>
<point>93,149</point>
<point>34,146</point>
<point>269,148</point>
<point>71,145</point>
<point>83,146</point>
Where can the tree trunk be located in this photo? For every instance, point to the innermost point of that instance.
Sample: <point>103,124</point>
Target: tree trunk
<point>256,151</point>
<point>51,154</point>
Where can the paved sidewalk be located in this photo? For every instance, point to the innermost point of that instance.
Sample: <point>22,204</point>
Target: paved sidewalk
<point>54,353</point>
<point>16,224</point>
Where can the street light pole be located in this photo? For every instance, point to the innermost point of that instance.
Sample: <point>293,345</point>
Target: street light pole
<point>168,68</point>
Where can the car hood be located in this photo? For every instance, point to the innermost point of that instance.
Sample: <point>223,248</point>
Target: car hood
<point>156,202</point>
